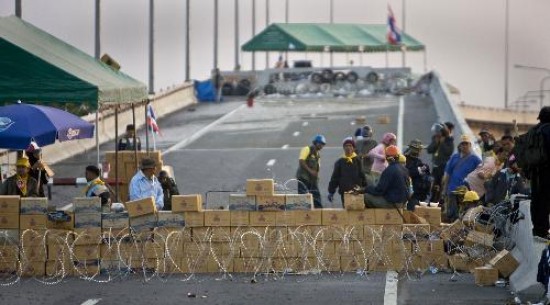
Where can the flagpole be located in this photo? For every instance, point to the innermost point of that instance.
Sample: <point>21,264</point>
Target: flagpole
<point>154,140</point>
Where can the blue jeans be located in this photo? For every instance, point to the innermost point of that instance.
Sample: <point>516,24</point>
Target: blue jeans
<point>306,187</point>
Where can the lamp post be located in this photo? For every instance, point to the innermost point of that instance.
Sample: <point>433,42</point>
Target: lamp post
<point>97,51</point>
<point>542,81</point>
<point>18,8</point>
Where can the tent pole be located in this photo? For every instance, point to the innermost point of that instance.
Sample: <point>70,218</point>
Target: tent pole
<point>116,155</point>
<point>425,60</point>
<point>135,142</point>
<point>97,135</point>
<point>146,128</point>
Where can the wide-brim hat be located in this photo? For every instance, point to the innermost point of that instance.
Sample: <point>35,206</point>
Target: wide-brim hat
<point>23,162</point>
<point>416,144</point>
<point>148,163</point>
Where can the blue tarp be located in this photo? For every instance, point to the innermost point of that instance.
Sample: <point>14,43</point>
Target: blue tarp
<point>205,91</point>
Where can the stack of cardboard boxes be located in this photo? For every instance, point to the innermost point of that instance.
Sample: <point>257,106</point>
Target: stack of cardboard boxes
<point>128,165</point>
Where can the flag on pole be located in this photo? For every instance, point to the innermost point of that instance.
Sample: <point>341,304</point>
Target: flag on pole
<point>394,35</point>
<point>152,120</point>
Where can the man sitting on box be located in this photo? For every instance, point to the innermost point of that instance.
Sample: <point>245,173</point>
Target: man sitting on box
<point>127,141</point>
<point>392,190</point>
<point>20,184</point>
<point>96,187</point>
<point>144,184</point>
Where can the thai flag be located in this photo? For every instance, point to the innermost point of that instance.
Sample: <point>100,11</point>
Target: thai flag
<point>394,37</point>
<point>152,120</point>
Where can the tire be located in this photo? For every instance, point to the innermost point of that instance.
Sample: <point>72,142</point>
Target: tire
<point>328,75</point>
<point>352,77</point>
<point>339,76</point>
<point>244,83</point>
<point>227,89</point>
<point>270,89</point>
<point>372,77</point>
<point>316,78</point>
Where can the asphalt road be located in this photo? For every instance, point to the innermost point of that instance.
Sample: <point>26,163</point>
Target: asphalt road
<point>216,147</point>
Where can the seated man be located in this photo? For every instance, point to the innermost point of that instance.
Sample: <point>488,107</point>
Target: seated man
<point>144,184</point>
<point>127,142</point>
<point>169,188</point>
<point>20,184</point>
<point>96,187</point>
<point>392,189</point>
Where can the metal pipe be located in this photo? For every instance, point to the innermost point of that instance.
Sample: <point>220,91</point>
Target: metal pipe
<point>116,154</point>
<point>151,46</point>
<point>266,25</point>
<point>506,53</point>
<point>253,33</point>
<point>97,29</point>
<point>287,11</point>
<point>543,80</point>
<point>187,41</point>
<point>404,16</point>
<point>18,9</point>
<point>216,8</point>
<point>331,21</point>
<point>237,35</point>
<point>146,128</point>
<point>135,131</point>
<point>97,135</point>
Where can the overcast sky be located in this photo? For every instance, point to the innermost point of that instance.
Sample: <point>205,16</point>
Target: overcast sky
<point>465,38</point>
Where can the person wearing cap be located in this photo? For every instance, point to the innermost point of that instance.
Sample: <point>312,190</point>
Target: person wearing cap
<point>169,188</point>
<point>459,166</point>
<point>20,184</point>
<point>38,170</point>
<point>96,187</point>
<point>419,173</point>
<point>506,182</point>
<point>441,148</point>
<point>540,180</point>
<point>144,184</point>
<point>127,141</point>
<point>470,200</point>
<point>485,171</point>
<point>486,142</point>
<point>378,154</point>
<point>393,189</point>
<point>308,169</point>
<point>363,147</point>
<point>347,174</point>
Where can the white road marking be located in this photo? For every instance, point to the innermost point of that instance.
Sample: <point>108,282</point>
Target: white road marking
<point>271,162</point>
<point>304,124</point>
<point>201,132</point>
<point>296,133</point>
<point>91,302</point>
<point>285,146</point>
<point>400,115</point>
<point>352,123</point>
<point>390,292</point>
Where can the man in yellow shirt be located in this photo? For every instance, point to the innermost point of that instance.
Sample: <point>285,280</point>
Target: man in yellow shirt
<point>308,170</point>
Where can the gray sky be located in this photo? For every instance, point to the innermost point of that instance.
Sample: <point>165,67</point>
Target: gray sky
<point>465,38</point>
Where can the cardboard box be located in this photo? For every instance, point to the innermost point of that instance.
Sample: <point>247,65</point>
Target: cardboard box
<point>187,203</point>
<point>32,269</point>
<point>352,264</point>
<point>34,237</point>
<point>308,218</point>
<point>242,202</point>
<point>87,236</point>
<point>194,219</point>
<point>9,221</point>
<point>388,216</point>
<point>285,218</point>
<point>299,202</point>
<point>62,225</point>
<point>471,215</point>
<point>461,262</point>
<point>334,217</point>
<point>57,268</point>
<point>416,231</point>
<point>262,219</point>
<point>34,205</point>
<point>87,252</point>
<point>246,265</point>
<point>144,223</point>
<point>141,207</point>
<point>87,205</point>
<point>11,267</point>
<point>431,214</point>
<point>485,276</point>
<point>239,218</point>
<point>478,238</point>
<point>260,187</point>
<point>10,205</point>
<point>221,265</point>
<point>505,263</point>
<point>92,220</point>
<point>169,219</point>
<point>484,228</point>
<point>115,220</point>
<point>271,203</point>
<point>34,254</point>
<point>354,202</point>
<point>163,235</point>
<point>86,268</point>
<point>153,249</point>
<point>365,217</point>
<point>59,236</point>
<point>33,221</point>
<point>215,218</point>
<point>9,236</point>
<point>9,253</point>
<point>58,251</point>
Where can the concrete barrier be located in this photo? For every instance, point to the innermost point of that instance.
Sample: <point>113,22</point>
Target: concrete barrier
<point>163,104</point>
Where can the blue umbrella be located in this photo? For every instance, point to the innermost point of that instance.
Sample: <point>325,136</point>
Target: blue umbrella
<point>22,123</point>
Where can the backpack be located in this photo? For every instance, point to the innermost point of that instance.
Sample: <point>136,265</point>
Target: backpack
<point>529,149</point>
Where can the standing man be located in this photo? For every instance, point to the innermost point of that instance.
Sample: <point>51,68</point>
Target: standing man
<point>144,184</point>
<point>347,174</point>
<point>96,187</point>
<point>486,142</point>
<point>540,180</point>
<point>308,169</point>
<point>20,184</point>
<point>39,170</point>
<point>441,148</point>
<point>459,166</point>
<point>419,173</point>
<point>363,147</point>
<point>127,141</point>
<point>169,187</point>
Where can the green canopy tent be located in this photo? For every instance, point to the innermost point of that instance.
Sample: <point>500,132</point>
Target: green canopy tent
<point>320,37</point>
<point>38,67</point>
